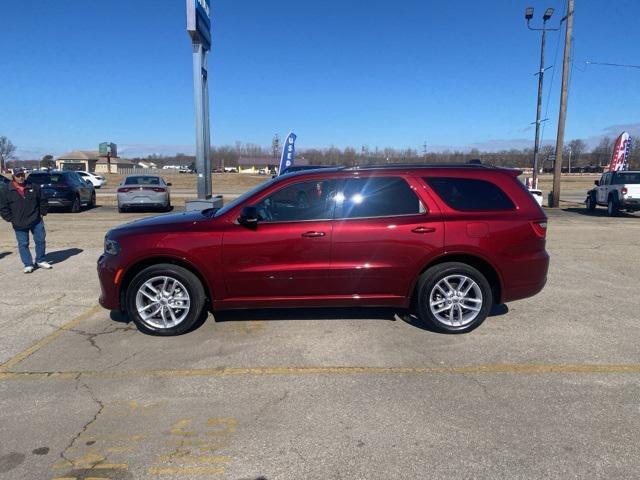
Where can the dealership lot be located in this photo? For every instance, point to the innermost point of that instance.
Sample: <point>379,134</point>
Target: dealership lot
<point>548,387</point>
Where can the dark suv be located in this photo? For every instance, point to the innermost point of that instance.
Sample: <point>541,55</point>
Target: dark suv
<point>449,241</point>
<point>64,189</point>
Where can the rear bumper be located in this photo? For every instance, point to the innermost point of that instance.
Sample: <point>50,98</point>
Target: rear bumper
<point>631,203</point>
<point>528,277</point>
<point>109,289</point>
<point>59,202</point>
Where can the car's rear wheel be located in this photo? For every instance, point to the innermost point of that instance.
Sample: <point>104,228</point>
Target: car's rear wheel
<point>92,202</point>
<point>612,206</point>
<point>591,203</point>
<point>165,299</point>
<point>75,206</point>
<point>454,297</point>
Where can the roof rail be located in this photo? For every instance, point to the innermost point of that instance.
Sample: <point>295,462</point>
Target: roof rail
<point>389,166</point>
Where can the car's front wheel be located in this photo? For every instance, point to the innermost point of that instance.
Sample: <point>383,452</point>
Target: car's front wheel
<point>165,299</point>
<point>454,297</point>
<point>591,203</point>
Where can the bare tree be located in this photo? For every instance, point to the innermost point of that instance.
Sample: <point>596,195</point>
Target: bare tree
<point>7,150</point>
<point>602,152</point>
<point>577,147</point>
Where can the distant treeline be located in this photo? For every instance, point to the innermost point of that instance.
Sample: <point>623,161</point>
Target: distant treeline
<point>575,151</point>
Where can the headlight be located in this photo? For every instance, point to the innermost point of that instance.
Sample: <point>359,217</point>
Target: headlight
<point>111,247</point>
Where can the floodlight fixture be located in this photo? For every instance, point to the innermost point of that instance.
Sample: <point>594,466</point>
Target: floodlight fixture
<point>547,14</point>
<point>528,13</point>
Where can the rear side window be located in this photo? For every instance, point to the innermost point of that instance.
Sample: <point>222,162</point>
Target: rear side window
<point>470,194</point>
<point>377,197</point>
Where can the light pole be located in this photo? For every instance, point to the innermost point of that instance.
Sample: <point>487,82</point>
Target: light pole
<point>528,15</point>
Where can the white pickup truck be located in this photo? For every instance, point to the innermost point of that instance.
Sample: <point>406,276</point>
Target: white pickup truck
<point>617,191</point>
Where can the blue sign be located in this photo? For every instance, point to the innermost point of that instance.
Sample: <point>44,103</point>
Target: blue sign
<point>199,21</point>
<point>288,153</point>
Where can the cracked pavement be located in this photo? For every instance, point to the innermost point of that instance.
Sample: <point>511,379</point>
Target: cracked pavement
<point>324,393</point>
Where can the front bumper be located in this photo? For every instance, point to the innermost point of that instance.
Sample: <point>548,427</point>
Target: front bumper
<point>109,288</point>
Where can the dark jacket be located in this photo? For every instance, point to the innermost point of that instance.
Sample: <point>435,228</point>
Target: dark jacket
<point>25,212</point>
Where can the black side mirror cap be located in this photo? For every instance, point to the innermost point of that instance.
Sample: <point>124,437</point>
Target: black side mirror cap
<point>596,183</point>
<point>168,184</point>
<point>249,216</point>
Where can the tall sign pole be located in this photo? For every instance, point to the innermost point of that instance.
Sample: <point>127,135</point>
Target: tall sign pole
<point>557,166</point>
<point>199,29</point>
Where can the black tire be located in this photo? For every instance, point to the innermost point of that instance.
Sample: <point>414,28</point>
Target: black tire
<point>76,205</point>
<point>92,202</point>
<point>591,203</point>
<point>612,206</point>
<point>432,276</point>
<point>192,285</point>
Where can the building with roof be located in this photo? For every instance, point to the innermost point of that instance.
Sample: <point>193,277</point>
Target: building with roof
<point>91,161</point>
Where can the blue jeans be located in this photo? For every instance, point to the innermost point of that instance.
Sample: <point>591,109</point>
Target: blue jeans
<point>23,243</point>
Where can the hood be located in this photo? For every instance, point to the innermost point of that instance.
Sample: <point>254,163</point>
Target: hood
<point>165,221</point>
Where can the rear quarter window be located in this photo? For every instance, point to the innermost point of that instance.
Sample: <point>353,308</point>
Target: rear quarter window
<point>470,194</point>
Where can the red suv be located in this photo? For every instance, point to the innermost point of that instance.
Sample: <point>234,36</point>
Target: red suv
<point>449,241</point>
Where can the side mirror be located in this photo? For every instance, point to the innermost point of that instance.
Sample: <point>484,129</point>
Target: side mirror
<point>596,183</point>
<point>88,182</point>
<point>168,184</point>
<point>249,216</point>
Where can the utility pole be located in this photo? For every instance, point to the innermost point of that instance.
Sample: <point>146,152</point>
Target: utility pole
<point>557,167</point>
<point>424,150</point>
<point>528,15</point>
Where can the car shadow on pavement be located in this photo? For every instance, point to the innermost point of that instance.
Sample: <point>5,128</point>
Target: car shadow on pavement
<point>337,313</point>
<point>412,319</point>
<point>60,256</point>
<point>4,254</point>
<point>598,212</point>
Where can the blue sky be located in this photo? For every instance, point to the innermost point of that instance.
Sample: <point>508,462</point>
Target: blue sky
<point>357,72</point>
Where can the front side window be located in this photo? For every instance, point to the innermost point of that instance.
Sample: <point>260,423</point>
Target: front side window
<point>377,197</point>
<point>312,200</point>
<point>470,194</point>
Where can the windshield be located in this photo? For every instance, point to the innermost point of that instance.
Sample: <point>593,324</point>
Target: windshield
<point>625,178</point>
<point>233,203</point>
<point>142,181</point>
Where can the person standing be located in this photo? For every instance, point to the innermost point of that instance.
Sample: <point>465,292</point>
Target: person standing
<point>24,206</point>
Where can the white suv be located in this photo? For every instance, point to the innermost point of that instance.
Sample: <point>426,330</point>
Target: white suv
<point>96,180</point>
<point>617,191</point>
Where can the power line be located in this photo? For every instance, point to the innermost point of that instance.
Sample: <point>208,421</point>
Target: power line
<point>589,62</point>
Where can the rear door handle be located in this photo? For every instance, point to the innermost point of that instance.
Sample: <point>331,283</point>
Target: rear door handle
<point>423,230</point>
<point>313,234</point>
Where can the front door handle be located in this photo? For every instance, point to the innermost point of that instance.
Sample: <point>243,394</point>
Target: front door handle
<point>313,234</point>
<point>423,230</point>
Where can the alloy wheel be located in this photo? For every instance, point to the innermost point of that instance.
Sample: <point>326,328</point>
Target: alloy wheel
<point>456,300</point>
<point>163,302</point>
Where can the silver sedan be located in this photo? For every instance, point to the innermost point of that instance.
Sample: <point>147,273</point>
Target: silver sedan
<point>148,191</point>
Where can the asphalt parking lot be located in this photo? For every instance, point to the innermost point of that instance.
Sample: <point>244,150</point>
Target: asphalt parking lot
<point>547,387</point>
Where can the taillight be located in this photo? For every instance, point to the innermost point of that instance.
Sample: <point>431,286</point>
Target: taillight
<point>124,190</point>
<point>158,189</point>
<point>539,228</point>
<point>624,190</point>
